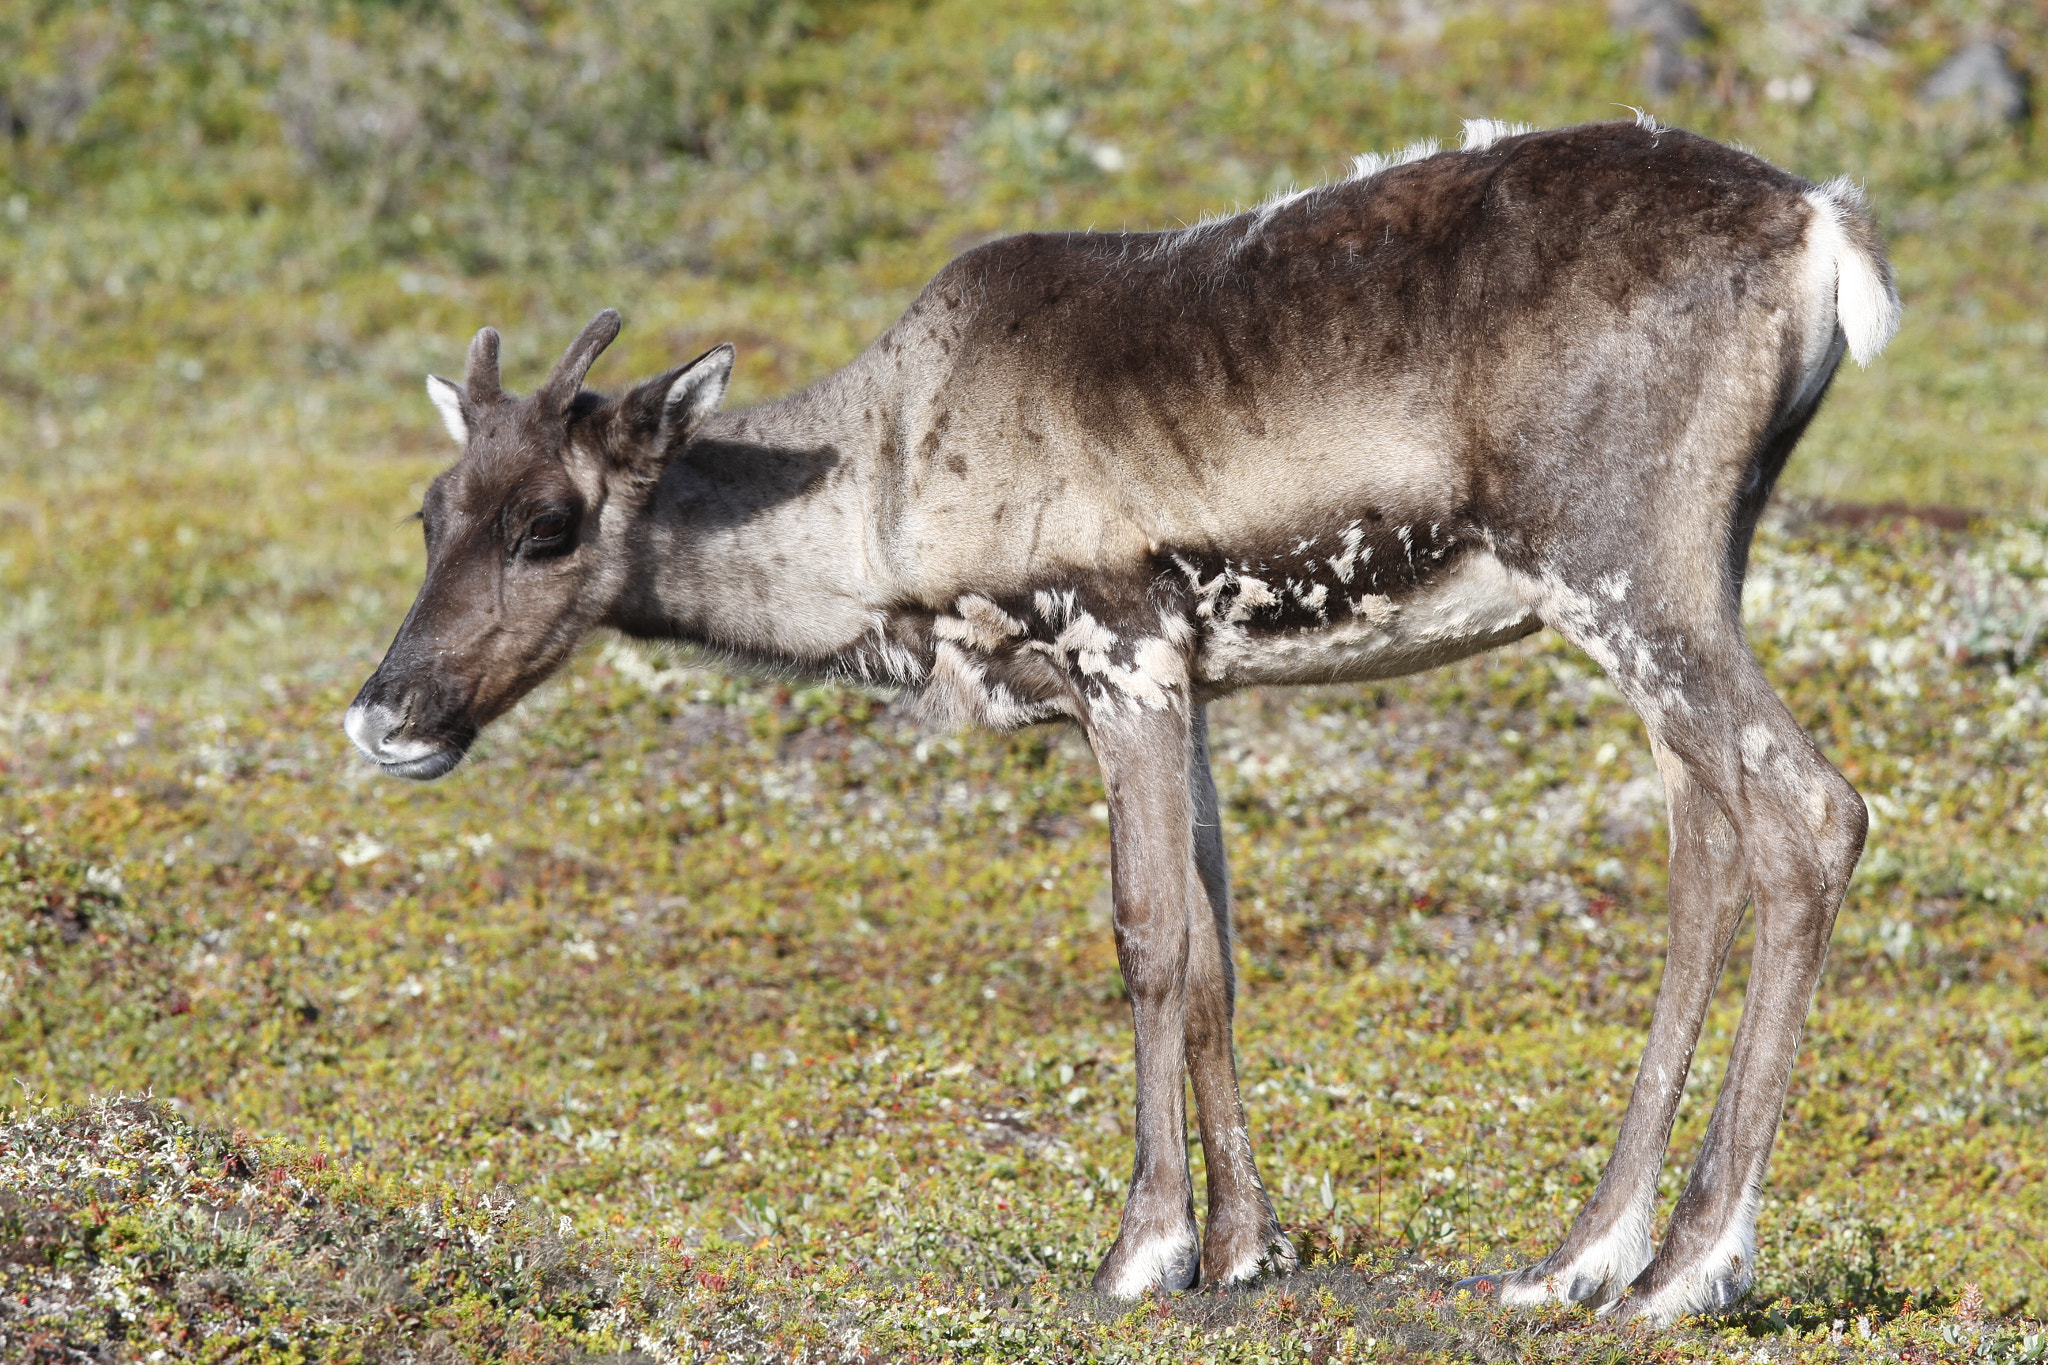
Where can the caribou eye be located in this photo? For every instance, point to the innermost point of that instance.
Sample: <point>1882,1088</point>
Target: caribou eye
<point>547,530</point>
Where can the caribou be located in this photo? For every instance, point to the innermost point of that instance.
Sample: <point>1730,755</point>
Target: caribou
<point>1546,378</point>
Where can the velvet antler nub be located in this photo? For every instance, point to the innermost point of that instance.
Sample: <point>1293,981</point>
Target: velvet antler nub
<point>565,381</point>
<point>480,379</point>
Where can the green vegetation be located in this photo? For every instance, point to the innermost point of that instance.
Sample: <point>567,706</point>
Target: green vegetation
<point>705,1018</point>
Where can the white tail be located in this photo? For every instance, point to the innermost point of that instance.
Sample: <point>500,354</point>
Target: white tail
<point>1866,304</point>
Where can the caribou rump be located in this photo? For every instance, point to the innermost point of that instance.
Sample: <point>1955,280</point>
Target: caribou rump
<point>1544,379</point>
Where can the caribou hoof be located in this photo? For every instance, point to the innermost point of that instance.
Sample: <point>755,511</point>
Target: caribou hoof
<point>1238,1256</point>
<point>1139,1264</point>
<point>1597,1273</point>
<point>1658,1297</point>
<point>1666,1292</point>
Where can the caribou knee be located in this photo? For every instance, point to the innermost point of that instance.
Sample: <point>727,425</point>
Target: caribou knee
<point>1841,823</point>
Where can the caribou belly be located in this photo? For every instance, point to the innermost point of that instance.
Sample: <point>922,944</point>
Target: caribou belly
<point>1468,606</point>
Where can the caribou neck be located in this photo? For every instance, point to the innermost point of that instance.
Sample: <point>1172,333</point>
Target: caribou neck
<point>758,541</point>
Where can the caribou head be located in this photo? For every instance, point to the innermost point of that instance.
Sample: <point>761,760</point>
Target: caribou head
<point>526,541</point>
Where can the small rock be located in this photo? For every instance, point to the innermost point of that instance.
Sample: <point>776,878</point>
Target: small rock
<point>1669,25</point>
<point>1982,78</point>
<point>1672,21</point>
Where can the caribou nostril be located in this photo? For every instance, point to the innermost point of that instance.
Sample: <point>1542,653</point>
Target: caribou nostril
<point>370,728</point>
<point>357,726</point>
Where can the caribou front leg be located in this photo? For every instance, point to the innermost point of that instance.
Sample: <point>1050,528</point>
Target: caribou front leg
<point>1144,757</point>
<point>1243,1236</point>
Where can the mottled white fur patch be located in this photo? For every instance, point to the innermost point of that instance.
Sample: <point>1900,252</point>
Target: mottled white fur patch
<point>979,624</point>
<point>958,693</point>
<point>1610,640</point>
<point>958,690</point>
<point>1252,594</point>
<point>876,658</point>
<point>1156,670</point>
<point>1375,608</point>
<point>1472,606</point>
<point>1088,642</point>
<point>1353,558</point>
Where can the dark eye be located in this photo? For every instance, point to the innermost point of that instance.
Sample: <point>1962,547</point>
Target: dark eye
<point>547,530</point>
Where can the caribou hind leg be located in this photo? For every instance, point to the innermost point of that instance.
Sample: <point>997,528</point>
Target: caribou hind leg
<point>1800,826</point>
<point>1242,1237</point>
<point>1757,815</point>
<point>1729,752</point>
<point>1609,1242</point>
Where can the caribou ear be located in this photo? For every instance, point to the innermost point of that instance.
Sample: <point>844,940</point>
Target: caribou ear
<point>453,405</point>
<point>652,422</point>
<point>694,394</point>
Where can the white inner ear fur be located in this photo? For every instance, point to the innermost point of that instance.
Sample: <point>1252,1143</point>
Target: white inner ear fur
<point>696,392</point>
<point>447,397</point>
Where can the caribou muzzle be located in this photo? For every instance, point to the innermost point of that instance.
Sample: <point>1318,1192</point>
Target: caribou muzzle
<point>416,738</point>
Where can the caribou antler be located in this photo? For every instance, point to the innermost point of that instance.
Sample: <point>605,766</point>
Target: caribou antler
<point>565,381</point>
<point>480,379</point>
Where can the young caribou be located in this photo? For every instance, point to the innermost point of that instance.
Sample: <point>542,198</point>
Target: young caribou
<point>1547,379</point>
